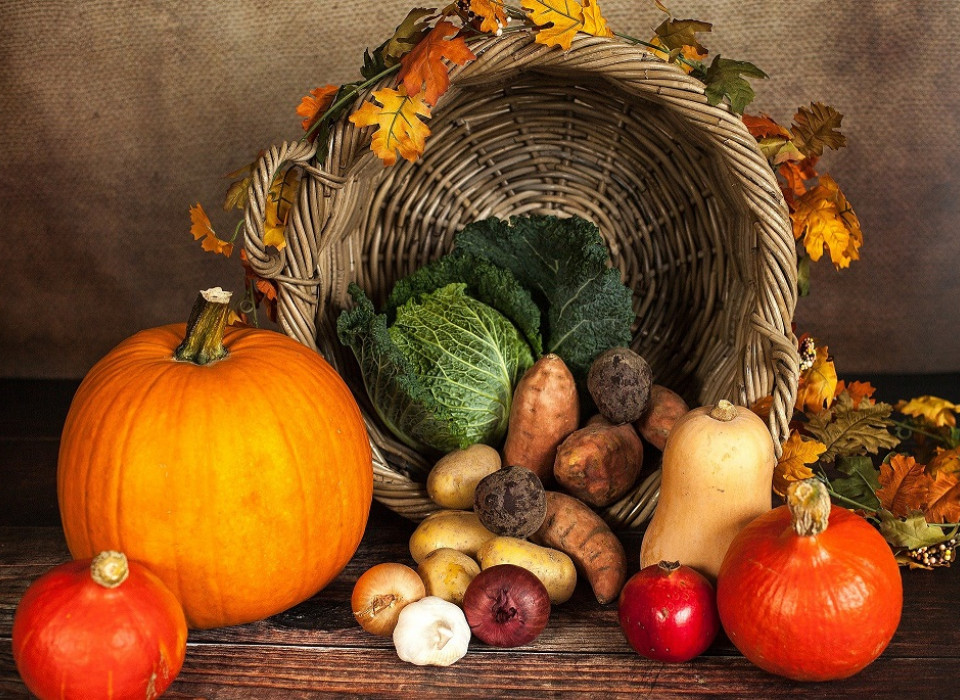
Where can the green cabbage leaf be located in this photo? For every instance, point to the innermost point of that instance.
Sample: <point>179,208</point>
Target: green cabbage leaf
<point>441,374</point>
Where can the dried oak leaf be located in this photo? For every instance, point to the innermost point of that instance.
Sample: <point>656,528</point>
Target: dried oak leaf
<point>817,128</point>
<point>798,452</point>
<point>423,67</point>
<point>937,411</point>
<point>906,486</point>
<point>675,34</point>
<point>825,220</point>
<point>561,20</point>
<point>407,35</point>
<point>398,118</point>
<point>849,431</point>
<point>818,384</point>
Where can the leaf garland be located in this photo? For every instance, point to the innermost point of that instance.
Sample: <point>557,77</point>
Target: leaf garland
<point>838,438</point>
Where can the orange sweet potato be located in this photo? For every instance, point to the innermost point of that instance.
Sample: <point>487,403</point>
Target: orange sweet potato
<point>665,407</point>
<point>599,462</point>
<point>545,410</point>
<point>579,532</point>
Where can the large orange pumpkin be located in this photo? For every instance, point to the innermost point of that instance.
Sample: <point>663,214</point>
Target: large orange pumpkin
<point>235,464</point>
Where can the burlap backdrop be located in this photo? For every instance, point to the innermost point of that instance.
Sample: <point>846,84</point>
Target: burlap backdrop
<point>115,117</point>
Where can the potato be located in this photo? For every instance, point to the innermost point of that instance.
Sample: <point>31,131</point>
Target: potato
<point>664,408</point>
<point>446,573</point>
<point>619,382</point>
<point>454,478</point>
<point>555,569</point>
<point>456,529</point>
<point>600,462</point>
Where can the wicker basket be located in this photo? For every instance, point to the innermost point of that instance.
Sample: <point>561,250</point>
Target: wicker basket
<point>689,207</point>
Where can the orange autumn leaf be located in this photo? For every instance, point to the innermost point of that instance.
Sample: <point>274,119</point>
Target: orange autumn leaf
<point>859,391</point>
<point>492,14</point>
<point>937,411</point>
<point>798,452</point>
<point>399,127</point>
<point>818,384</point>
<point>202,229</point>
<point>263,290</point>
<point>423,68</point>
<point>312,106</point>
<point>905,486</point>
<point>796,173</point>
<point>561,20</point>
<point>825,220</point>
<point>762,126</point>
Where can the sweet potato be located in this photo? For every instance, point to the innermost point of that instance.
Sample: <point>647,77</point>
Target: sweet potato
<point>664,408</point>
<point>575,529</point>
<point>545,410</point>
<point>599,462</point>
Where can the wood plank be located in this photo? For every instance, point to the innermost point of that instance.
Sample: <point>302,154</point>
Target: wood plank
<point>266,672</point>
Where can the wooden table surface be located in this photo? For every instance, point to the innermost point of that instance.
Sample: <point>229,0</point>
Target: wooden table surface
<point>317,650</point>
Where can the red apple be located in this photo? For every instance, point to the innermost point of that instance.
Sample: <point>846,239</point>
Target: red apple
<point>668,612</point>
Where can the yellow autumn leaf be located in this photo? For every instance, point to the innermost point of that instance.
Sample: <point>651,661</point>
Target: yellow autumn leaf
<point>818,385</point>
<point>400,129</point>
<point>280,201</point>
<point>946,461</point>
<point>560,20</point>
<point>594,22</point>
<point>937,411</point>
<point>825,220</point>
<point>798,452</point>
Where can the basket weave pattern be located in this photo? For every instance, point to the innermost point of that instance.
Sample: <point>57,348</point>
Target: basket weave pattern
<point>688,205</point>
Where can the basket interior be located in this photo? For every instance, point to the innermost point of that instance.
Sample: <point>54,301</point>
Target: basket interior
<point>565,143</point>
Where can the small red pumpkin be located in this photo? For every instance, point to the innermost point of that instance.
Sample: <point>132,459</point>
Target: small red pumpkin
<point>101,628</point>
<point>234,462</point>
<point>809,590</point>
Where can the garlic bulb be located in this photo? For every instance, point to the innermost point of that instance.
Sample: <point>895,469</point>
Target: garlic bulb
<point>431,632</point>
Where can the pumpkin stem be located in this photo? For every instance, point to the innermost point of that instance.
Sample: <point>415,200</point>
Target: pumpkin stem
<point>809,504</point>
<point>208,319</point>
<point>109,568</point>
<point>724,410</point>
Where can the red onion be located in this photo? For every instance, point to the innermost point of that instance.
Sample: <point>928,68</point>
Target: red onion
<point>506,606</point>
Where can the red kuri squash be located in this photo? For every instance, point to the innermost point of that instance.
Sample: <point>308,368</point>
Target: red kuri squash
<point>808,590</point>
<point>102,628</point>
<point>233,461</point>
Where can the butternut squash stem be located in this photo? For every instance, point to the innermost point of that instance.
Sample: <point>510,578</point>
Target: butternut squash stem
<point>203,343</point>
<point>109,568</point>
<point>724,411</point>
<point>809,504</point>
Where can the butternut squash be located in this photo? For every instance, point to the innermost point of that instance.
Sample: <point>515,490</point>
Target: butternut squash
<point>717,477</point>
